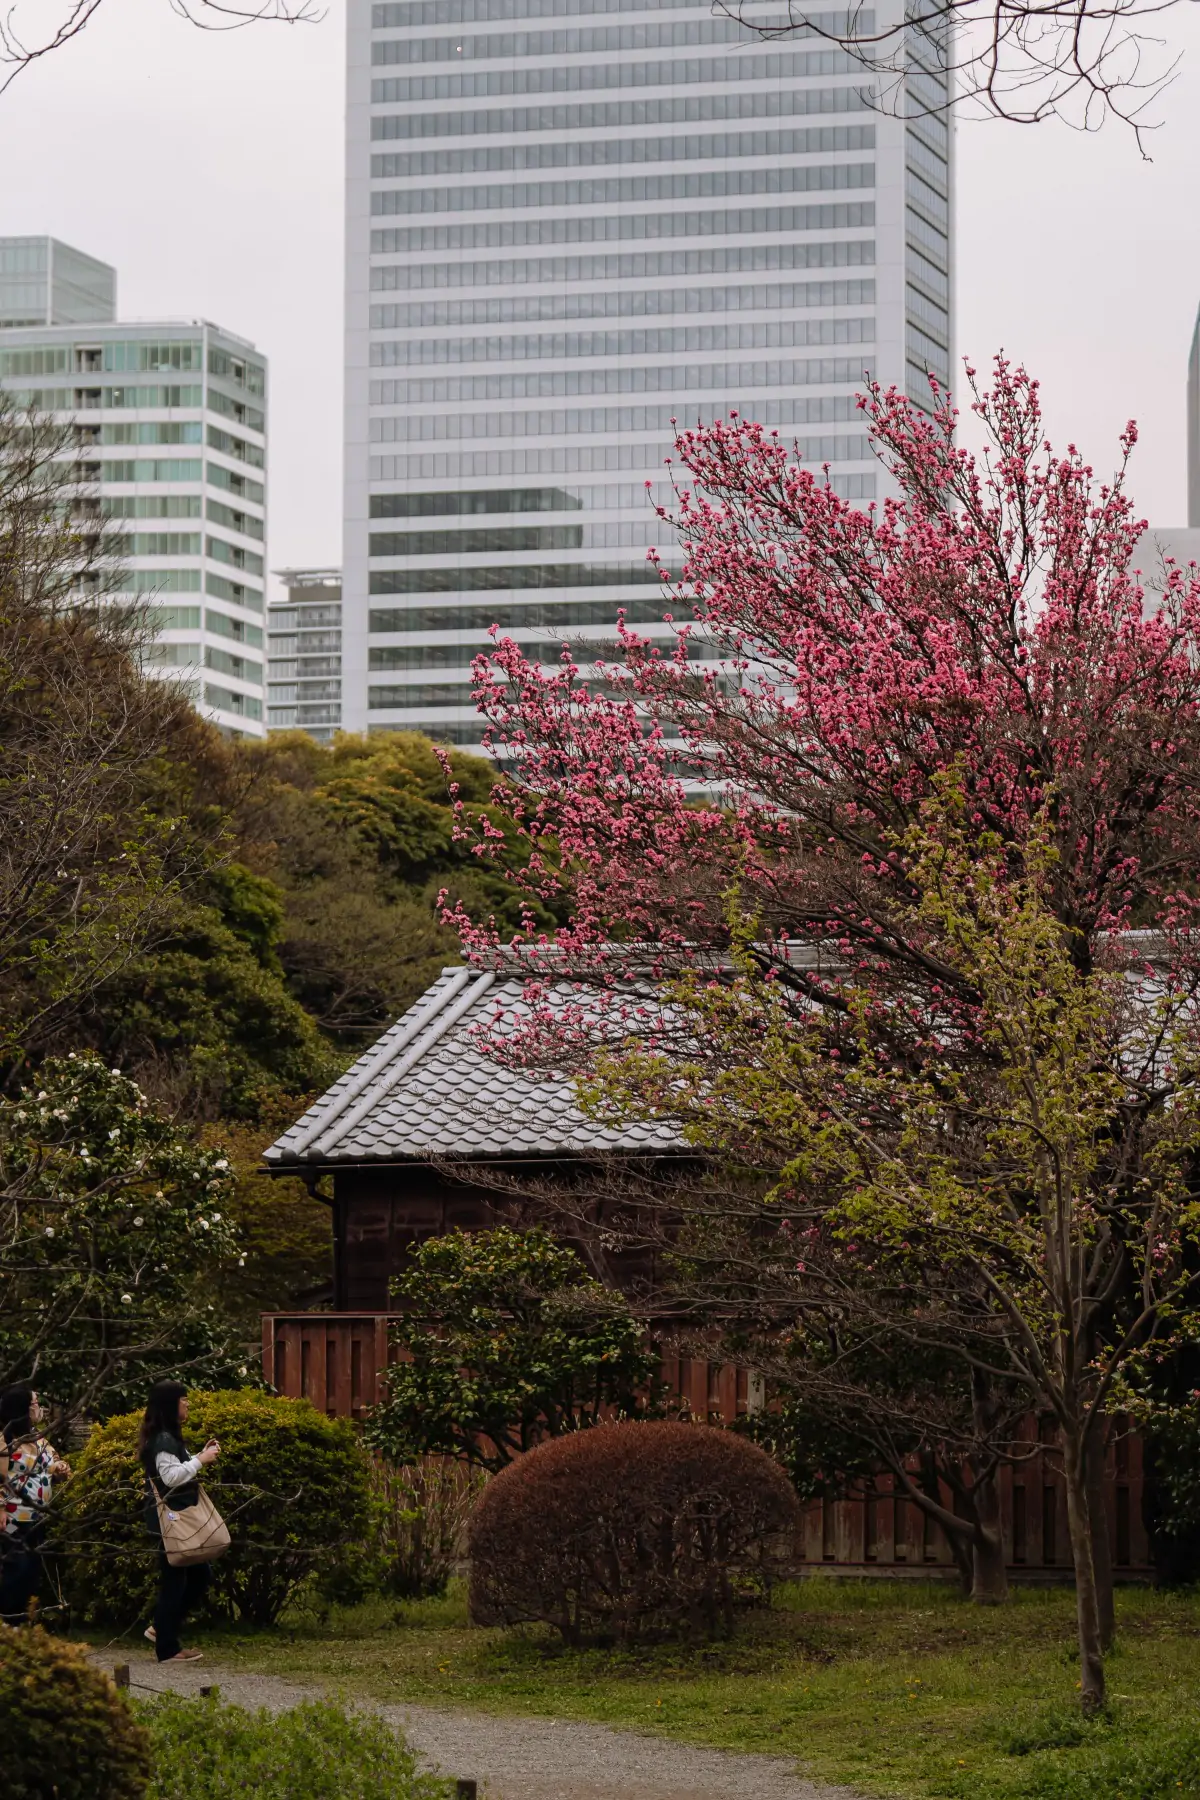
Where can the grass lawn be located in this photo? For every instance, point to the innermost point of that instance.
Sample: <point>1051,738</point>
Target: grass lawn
<point>894,1689</point>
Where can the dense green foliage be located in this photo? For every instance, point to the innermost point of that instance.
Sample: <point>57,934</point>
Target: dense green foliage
<point>209,1750</point>
<point>507,1340</point>
<point>67,1734</point>
<point>359,840</point>
<point>114,1234</point>
<point>290,1483</point>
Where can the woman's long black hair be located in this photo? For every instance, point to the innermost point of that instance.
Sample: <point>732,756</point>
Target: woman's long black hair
<point>162,1412</point>
<point>15,1421</point>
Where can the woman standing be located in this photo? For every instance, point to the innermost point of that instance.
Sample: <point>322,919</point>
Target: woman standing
<point>171,1471</point>
<point>33,1466</point>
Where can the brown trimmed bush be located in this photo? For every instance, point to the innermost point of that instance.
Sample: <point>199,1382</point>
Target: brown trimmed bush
<point>630,1531</point>
<point>66,1730</point>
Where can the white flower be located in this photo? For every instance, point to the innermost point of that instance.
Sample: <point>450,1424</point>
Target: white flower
<point>241,1262</point>
<point>127,1298</point>
<point>216,1216</point>
<point>114,1071</point>
<point>139,1220</point>
<point>85,1153</point>
<point>114,1134</point>
<point>204,1224</point>
<point>49,1231</point>
<point>43,1095</point>
<point>222,1162</point>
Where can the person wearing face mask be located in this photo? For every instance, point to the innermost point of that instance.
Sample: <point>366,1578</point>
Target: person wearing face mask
<point>170,1470</point>
<point>31,1465</point>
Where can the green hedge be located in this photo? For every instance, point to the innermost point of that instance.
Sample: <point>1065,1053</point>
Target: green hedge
<point>64,1729</point>
<point>291,1484</point>
<point>207,1750</point>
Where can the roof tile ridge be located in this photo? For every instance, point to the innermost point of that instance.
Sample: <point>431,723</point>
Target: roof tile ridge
<point>405,1029</point>
<point>449,1016</point>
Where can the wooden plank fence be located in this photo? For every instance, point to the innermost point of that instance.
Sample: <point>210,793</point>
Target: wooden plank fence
<point>334,1359</point>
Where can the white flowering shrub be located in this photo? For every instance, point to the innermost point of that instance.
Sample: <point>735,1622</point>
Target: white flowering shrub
<point>114,1232</point>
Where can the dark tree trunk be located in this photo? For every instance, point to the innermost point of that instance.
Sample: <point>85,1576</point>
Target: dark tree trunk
<point>989,1585</point>
<point>1087,1609</point>
<point>1102,1560</point>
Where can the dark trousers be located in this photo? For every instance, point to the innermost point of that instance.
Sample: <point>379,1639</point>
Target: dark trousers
<point>20,1570</point>
<point>179,1592</point>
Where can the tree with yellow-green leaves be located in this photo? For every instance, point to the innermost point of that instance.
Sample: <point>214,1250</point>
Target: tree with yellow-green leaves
<point>1021,1198</point>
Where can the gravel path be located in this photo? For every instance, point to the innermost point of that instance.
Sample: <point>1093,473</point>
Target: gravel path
<point>524,1758</point>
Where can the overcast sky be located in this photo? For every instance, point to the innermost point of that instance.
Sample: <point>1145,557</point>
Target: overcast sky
<point>208,168</point>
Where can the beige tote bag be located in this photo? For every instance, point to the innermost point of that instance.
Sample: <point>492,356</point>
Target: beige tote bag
<point>191,1534</point>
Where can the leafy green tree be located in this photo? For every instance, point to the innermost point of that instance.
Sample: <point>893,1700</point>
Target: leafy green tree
<point>285,1240</point>
<point>114,1235</point>
<point>506,1340</point>
<point>362,840</point>
<point>204,1016</point>
<point>998,1179</point>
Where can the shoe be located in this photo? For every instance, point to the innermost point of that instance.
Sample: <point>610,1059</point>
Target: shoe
<point>150,1635</point>
<point>185,1656</point>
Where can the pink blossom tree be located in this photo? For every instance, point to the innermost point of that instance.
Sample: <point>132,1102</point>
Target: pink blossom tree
<point>980,646</point>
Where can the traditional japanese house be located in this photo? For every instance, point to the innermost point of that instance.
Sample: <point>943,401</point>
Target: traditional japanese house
<point>402,1148</point>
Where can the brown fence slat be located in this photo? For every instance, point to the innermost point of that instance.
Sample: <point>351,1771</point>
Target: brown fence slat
<point>334,1360</point>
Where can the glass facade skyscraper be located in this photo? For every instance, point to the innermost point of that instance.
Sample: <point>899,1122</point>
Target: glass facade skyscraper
<point>169,428</point>
<point>570,223</point>
<point>45,282</point>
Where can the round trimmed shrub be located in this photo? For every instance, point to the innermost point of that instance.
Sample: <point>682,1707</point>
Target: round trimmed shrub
<point>67,1732</point>
<point>291,1484</point>
<point>631,1530</point>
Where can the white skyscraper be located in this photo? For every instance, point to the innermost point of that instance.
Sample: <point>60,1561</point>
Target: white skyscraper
<point>304,654</point>
<point>170,424</point>
<point>570,222</point>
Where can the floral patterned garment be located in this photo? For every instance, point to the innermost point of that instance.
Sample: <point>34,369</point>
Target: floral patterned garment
<point>27,1490</point>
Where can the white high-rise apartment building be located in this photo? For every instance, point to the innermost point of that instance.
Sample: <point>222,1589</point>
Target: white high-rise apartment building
<point>304,654</point>
<point>569,223</point>
<point>170,425</point>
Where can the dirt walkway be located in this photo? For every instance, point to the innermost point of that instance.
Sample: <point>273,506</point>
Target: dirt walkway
<point>523,1758</point>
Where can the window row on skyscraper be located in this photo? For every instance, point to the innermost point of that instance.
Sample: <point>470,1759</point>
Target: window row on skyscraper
<point>629,303</point>
<point>683,378</point>
<point>581,78</point>
<point>627,115</point>
<point>500,233</point>
<point>652,265</point>
<point>471,12</point>
<point>601,419</point>
<point>618,190</point>
<point>759,334</point>
<point>549,613</point>
<point>580,40</point>
<point>577,153</point>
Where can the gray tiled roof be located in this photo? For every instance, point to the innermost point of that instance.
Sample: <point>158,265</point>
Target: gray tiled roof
<point>426,1090</point>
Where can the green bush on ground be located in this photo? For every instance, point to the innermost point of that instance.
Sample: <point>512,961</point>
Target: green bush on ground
<point>290,1483</point>
<point>1156,1765</point>
<point>208,1750</point>
<point>64,1729</point>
